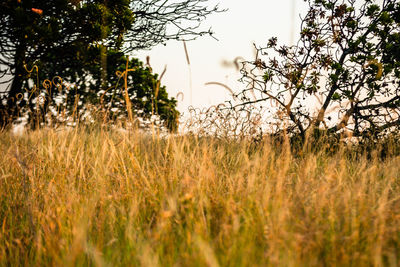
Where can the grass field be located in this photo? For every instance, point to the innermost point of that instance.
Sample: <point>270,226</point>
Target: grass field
<point>91,197</point>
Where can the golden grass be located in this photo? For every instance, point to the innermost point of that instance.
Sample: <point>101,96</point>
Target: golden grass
<point>101,197</point>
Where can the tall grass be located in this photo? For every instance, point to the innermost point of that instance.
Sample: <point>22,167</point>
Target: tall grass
<point>102,197</point>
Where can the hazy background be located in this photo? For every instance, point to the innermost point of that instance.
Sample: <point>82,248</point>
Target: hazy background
<point>245,23</point>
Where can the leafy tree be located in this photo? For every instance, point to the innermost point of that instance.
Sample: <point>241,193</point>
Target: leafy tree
<point>342,75</point>
<point>56,101</point>
<point>41,32</point>
<point>146,95</point>
<point>72,39</point>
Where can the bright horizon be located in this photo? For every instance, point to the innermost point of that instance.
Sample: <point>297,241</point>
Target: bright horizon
<point>236,31</point>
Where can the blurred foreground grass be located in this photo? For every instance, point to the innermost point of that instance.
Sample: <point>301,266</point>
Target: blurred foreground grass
<point>108,198</point>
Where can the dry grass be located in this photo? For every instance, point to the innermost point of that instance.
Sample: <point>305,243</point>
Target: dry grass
<point>97,197</point>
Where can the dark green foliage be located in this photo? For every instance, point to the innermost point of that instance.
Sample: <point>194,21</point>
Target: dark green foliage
<point>80,41</point>
<point>62,39</point>
<point>146,94</point>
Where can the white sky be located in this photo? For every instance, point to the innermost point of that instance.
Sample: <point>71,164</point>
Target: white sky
<point>246,22</point>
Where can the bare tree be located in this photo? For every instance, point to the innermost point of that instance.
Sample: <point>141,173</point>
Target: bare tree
<point>157,21</point>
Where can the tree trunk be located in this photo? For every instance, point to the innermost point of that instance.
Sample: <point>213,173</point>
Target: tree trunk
<point>9,111</point>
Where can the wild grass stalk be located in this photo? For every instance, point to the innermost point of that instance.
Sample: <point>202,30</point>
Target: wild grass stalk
<point>102,197</point>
